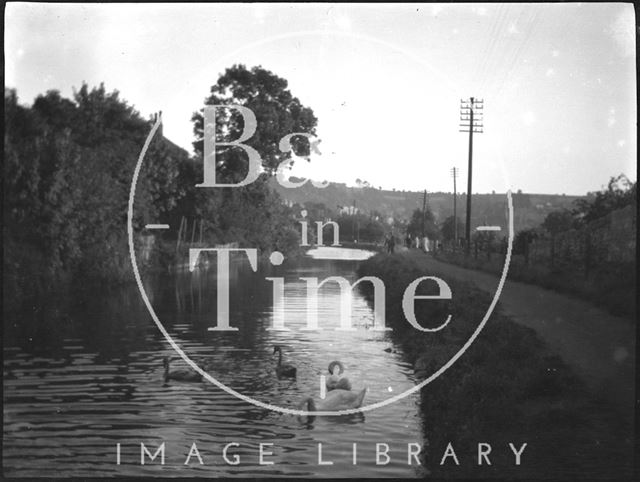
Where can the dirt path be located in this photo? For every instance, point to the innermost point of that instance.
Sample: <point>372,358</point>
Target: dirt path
<point>600,347</point>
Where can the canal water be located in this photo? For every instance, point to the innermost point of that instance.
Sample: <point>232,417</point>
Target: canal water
<point>85,373</point>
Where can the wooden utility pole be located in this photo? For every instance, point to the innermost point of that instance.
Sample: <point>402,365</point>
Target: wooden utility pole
<point>424,210</point>
<point>454,173</point>
<point>356,219</point>
<point>470,124</point>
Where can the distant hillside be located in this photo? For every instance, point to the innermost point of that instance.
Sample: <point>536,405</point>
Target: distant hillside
<point>490,209</point>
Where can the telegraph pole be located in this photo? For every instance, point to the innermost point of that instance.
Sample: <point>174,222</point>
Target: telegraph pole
<point>424,210</point>
<point>355,216</point>
<point>471,120</point>
<point>454,173</point>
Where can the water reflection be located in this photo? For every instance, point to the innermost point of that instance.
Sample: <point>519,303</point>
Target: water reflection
<point>86,373</point>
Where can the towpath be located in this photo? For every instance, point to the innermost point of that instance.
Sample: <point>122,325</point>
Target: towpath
<point>600,347</point>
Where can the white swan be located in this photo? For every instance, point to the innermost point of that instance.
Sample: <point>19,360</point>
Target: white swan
<point>179,375</point>
<point>335,381</point>
<point>335,400</point>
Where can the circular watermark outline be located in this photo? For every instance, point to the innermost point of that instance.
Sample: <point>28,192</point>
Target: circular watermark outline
<point>275,408</point>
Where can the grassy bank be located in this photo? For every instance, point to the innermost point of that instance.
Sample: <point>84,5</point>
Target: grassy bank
<point>506,388</point>
<point>611,287</point>
<point>365,245</point>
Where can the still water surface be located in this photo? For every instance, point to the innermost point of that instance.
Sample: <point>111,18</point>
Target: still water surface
<point>86,374</point>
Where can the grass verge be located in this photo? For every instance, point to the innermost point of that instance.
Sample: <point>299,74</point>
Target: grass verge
<point>611,286</point>
<point>507,387</point>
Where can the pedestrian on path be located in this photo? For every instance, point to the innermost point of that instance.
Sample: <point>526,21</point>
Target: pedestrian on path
<point>391,244</point>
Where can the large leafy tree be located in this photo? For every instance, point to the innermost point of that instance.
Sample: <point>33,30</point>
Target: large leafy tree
<point>448,228</point>
<point>277,112</point>
<point>66,181</point>
<point>414,228</point>
<point>558,221</point>
<point>620,192</point>
<point>252,215</point>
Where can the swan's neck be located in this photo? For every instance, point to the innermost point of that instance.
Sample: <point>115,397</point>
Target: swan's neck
<point>310,404</point>
<point>279,357</point>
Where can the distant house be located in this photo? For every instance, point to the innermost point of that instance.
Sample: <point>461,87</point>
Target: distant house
<point>350,210</point>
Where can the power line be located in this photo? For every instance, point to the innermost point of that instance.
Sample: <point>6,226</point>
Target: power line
<point>513,61</point>
<point>490,62</point>
<point>471,121</point>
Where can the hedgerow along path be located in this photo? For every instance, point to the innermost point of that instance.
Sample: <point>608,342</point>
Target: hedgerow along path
<point>598,346</point>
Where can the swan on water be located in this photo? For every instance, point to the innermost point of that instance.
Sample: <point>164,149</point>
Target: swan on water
<point>179,375</point>
<point>335,381</point>
<point>335,400</point>
<point>283,369</point>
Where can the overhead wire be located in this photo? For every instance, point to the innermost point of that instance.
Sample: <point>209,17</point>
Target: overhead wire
<point>490,60</point>
<point>518,53</point>
<point>482,59</point>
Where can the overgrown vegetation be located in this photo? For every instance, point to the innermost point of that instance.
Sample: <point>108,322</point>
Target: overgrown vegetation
<point>69,164</point>
<point>422,223</point>
<point>588,251</point>
<point>506,388</point>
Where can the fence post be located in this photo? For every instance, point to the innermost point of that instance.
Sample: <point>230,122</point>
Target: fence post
<point>179,234</point>
<point>193,231</point>
<point>587,254</point>
<point>489,250</point>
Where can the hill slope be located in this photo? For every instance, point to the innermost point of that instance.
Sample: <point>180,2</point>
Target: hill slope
<point>490,209</point>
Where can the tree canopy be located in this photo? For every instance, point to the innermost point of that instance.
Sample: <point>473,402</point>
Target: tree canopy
<point>252,215</point>
<point>559,221</point>
<point>620,192</point>
<point>278,113</point>
<point>68,170</point>
<point>448,228</point>
<point>414,228</point>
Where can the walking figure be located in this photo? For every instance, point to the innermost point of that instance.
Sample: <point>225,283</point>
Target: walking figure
<point>391,244</point>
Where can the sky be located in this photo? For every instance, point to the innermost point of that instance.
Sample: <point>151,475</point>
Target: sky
<point>385,81</point>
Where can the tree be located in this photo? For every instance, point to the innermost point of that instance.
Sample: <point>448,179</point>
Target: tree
<point>102,117</point>
<point>372,230</point>
<point>252,215</point>
<point>360,226</point>
<point>67,176</point>
<point>448,228</point>
<point>278,113</point>
<point>21,164</point>
<point>619,193</point>
<point>57,112</point>
<point>558,221</point>
<point>317,211</point>
<point>523,239</point>
<point>414,228</point>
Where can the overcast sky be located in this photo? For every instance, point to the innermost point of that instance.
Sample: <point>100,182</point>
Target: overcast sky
<point>385,81</point>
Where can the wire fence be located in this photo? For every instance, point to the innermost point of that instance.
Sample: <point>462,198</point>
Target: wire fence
<point>605,242</point>
<point>596,262</point>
